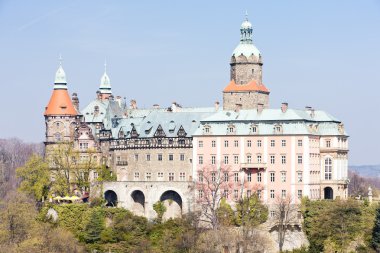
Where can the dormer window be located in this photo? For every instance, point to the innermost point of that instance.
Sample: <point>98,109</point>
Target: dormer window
<point>254,129</point>
<point>278,129</point>
<point>231,129</point>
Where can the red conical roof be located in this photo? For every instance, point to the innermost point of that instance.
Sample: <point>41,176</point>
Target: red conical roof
<point>60,104</point>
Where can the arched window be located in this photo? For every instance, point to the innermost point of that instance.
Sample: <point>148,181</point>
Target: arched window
<point>328,169</point>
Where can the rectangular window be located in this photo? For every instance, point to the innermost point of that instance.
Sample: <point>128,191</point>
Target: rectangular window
<point>200,176</point>
<point>171,176</point>
<point>272,214</point>
<point>225,159</point>
<point>272,159</point>
<point>213,176</point>
<point>182,157</point>
<point>249,143</point>
<point>249,177</point>
<point>299,176</point>
<point>272,143</point>
<point>213,159</point>
<point>160,176</point>
<point>171,157</point>
<point>272,177</point>
<point>283,176</point>
<point>236,143</point>
<point>159,157</point>
<point>259,194</point>
<point>249,159</point>
<point>259,177</point>
<point>236,177</point>
<point>299,159</point>
<point>283,143</point>
<point>249,193</point>
<point>226,144</point>
<point>299,194</point>
<point>213,144</point>
<point>200,159</point>
<point>182,176</point>
<point>258,158</point>
<point>148,176</point>
<point>236,194</point>
<point>258,143</point>
<point>200,144</point>
<point>283,193</point>
<point>136,157</point>
<point>328,143</point>
<point>299,143</point>
<point>272,194</point>
<point>95,175</point>
<point>137,176</point>
<point>236,159</point>
<point>225,194</point>
<point>148,157</point>
<point>200,194</point>
<point>226,176</point>
<point>283,159</point>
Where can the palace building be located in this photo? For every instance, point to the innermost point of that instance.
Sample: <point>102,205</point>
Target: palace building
<point>160,154</point>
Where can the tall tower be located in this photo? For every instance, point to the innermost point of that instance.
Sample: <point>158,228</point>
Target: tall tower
<point>60,114</point>
<point>105,85</point>
<point>245,90</point>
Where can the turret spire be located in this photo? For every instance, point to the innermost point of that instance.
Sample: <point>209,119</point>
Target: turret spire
<point>105,83</point>
<point>60,76</point>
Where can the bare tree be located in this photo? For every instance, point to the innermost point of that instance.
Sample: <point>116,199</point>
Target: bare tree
<point>285,216</point>
<point>213,184</point>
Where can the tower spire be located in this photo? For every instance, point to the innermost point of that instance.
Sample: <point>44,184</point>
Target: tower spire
<point>60,76</point>
<point>105,83</point>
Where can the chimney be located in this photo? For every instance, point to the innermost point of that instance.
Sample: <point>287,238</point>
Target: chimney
<point>174,107</point>
<point>311,110</point>
<point>284,107</point>
<point>216,105</point>
<point>98,95</point>
<point>133,104</point>
<point>118,100</point>
<point>238,107</point>
<point>260,108</point>
<point>156,106</point>
<point>110,97</point>
<point>75,100</point>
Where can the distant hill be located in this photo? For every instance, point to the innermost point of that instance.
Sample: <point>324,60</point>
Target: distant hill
<point>366,170</point>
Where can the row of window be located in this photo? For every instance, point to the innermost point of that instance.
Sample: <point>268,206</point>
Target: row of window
<point>249,143</point>
<point>160,157</point>
<point>160,176</point>
<point>226,159</point>
<point>225,193</point>
<point>225,176</point>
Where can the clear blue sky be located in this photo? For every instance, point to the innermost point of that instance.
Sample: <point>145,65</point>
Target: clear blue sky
<point>319,53</point>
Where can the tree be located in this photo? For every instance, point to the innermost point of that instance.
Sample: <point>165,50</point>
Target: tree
<point>214,183</point>
<point>250,213</point>
<point>376,231</point>
<point>160,209</point>
<point>94,226</point>
<point>285,215</point>
<point>225,213</point>
<point>35,178</point>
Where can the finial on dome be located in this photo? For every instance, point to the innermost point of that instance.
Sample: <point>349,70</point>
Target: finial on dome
<point>60,76</point>
<point>246,15</point>
<point>105,65</point>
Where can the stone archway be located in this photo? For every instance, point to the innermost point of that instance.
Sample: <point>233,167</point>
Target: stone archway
<point>111,198</point>
<point>328,193</point>
<point>173,203</point>
<point>138,202</point>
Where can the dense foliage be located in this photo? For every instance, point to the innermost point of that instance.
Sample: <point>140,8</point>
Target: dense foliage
<point>338,226</point>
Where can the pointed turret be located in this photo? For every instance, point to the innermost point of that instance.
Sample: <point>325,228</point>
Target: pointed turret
<point>105,84</point>
<point>60,102</point>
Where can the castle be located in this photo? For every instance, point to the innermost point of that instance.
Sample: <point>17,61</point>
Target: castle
<point>158,154</point>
